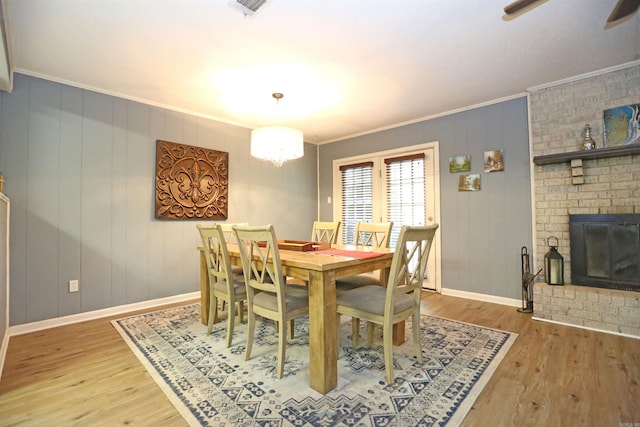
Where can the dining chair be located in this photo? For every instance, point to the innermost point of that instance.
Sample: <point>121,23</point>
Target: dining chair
<point>230,237</point>
<point>223,283</point>
<point>227,230</point>
<point>323,231</point>
<point>377,234</point>
<point>267,294</point>
<point>401,297</point>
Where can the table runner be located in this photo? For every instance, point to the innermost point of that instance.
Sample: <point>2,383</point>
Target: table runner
<point>349,253</point>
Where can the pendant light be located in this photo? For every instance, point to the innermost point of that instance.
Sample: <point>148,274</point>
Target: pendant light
<point>277,143</point>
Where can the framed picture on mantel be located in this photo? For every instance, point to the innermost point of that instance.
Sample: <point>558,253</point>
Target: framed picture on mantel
<point>622,126</point>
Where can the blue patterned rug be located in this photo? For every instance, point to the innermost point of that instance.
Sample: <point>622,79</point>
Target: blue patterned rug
<point>212,385</point>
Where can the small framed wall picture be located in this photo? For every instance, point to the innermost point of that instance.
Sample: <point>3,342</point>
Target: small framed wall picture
<point>469,182</point>
<point>460,163</point>
<point>494,161</point>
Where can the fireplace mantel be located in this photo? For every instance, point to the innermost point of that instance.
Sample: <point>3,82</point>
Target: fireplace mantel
<point>598,153</point>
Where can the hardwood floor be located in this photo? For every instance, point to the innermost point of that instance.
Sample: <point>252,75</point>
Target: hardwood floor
<point>84,374</point>
<point>79,375</point>
<point>553,375</point>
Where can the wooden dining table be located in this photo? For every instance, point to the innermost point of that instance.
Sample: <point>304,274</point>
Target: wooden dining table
<point>319,269</point>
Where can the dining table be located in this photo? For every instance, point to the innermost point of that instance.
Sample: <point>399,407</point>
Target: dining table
<point>319,269</point>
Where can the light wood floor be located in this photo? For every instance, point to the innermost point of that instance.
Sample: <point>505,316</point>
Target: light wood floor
<point>85,375</point>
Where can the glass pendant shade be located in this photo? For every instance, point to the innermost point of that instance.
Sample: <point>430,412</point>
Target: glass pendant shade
<point>277,144</point>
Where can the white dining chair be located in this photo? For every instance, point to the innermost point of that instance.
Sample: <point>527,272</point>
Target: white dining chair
<point>376,234</point>
<point>267,294</point>
<point>400,299</point>
<point>223,283</point>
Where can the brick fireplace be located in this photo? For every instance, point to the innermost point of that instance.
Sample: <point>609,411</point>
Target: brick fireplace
<point>594,185</point>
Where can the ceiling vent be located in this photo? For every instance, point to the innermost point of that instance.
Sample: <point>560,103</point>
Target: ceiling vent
<point>248,7</point>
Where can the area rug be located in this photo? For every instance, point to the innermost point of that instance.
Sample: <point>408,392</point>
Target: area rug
<point>212,385</point>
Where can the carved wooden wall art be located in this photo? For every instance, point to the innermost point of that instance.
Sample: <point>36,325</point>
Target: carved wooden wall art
<point>191,182</point>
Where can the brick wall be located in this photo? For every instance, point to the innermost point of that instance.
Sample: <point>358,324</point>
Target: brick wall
<point>558,114</point>
<point>603,309</point>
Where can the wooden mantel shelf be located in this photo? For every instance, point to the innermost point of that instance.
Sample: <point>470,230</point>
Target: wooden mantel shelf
<point>598,153</point>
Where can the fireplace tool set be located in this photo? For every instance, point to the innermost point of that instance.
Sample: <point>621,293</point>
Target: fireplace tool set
<point>527,282</point>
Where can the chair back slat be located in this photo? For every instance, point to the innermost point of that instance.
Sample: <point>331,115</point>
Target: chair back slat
<point>376,234</point>
<point>325,231</point>
<point>227,230</point>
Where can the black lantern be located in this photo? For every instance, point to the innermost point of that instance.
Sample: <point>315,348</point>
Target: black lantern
<point>553,264</point>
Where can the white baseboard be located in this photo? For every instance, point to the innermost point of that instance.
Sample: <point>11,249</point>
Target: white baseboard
<point>112,311</point>
<point>96,314</point>
<point>604,331</point>
<point>3,350</point>
<point>482,297</point>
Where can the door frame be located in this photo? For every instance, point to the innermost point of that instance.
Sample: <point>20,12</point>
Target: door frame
<point>433,148</point>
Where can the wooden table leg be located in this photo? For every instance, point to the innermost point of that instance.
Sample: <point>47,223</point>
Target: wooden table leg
<point>323,335</point>
<point>398,333</point>
<point>204,290</point>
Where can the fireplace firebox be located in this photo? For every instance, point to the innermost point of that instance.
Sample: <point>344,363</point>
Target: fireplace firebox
<point>605,251</point>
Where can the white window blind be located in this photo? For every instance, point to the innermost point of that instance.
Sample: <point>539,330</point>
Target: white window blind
<point>357,197</point>
<point>405,192</point>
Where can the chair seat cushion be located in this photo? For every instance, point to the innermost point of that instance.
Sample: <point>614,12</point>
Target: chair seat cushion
<point>294,299</point>
<point>238,286</point>
<point>353,282</point>
<point>297,291</point>
<point>371,299</point>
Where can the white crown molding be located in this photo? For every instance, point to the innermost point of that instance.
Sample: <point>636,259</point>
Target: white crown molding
<point>584,76</point>
<point>425,118</point>
<point>127,97</point>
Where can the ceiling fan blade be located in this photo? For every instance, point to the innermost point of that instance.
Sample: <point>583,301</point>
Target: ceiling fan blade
<point>623,9</point>
<point>518,5</point>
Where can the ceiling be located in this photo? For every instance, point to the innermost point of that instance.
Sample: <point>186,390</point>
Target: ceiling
<point>345,67</point>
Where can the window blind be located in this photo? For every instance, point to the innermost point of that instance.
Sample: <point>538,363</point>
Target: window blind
<point>357,197</point>
<point>405,192</point>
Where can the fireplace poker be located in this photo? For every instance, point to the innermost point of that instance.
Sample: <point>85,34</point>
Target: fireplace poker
<point>527,282</point>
